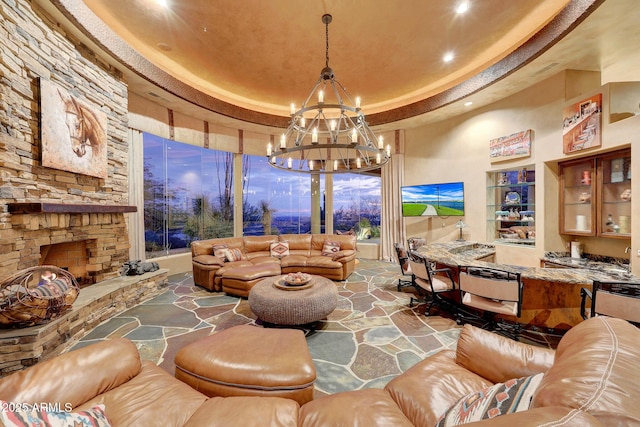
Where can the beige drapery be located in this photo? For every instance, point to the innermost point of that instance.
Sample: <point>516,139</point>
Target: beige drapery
<point>392,230</point>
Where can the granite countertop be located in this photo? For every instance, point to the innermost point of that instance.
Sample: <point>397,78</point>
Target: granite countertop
<point>577,271</point>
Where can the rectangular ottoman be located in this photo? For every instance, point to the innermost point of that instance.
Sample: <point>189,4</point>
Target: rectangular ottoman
<point>248,360</point>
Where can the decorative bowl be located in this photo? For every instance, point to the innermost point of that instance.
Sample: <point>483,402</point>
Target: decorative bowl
<point>296,279</point>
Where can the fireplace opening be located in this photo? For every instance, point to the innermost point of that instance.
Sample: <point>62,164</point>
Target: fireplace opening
<point>70,256</point>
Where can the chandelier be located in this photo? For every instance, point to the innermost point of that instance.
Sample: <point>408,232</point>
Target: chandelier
<point>329,133</point>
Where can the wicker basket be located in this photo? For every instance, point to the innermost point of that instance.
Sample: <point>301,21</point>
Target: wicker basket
<point>36,295</point>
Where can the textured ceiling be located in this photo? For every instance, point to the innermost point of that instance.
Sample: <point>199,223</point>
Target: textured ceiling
<point>249,59</point>
<point>263,55</point>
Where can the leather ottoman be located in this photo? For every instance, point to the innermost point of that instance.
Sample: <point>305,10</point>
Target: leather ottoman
<point>239,281</point>
<point>249,361</point>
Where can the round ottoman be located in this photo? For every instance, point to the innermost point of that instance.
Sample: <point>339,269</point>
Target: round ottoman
<point>249,361</point>
<point>293,307</point>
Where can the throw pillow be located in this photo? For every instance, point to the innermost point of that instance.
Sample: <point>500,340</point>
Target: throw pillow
<point>329,248</point>
<point>499,399</point>
<point>233,254</point>
<point>218,250</point>
<point>53,289</point>
<point>25,415</point>
<point>279,249</point>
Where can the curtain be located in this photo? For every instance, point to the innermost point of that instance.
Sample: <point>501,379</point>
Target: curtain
<point>136,195</point>
<point>392,230</point>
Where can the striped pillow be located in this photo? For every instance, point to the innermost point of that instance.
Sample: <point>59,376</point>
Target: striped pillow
<point>53,289</point>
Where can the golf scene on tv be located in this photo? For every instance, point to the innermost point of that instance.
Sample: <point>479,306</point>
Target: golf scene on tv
<point>433,199</point>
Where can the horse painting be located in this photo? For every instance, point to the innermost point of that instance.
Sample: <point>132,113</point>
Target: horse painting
<point>84,127</point>
<point>74,136</point>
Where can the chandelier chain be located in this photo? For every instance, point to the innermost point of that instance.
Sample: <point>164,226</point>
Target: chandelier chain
<point>326,25</point>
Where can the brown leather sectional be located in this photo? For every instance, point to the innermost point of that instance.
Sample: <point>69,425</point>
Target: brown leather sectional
<point>591,380</point>
<point>305,255</point>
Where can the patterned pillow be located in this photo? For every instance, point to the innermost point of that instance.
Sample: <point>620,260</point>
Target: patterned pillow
<point>233,254</point>
<point>53,289</point>
<point>24,415</point>
<point>329,248</point>
<point>218,250</point>
<point>499,399</point>
<point>279,249</point>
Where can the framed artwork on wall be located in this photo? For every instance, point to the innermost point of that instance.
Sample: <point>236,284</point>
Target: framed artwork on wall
<point>73,133</point>
<point>510,147</point>
<point>582,125</point>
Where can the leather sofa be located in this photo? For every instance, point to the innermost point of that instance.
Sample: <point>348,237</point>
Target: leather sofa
<point>305,255</point>
<point>590,380</point>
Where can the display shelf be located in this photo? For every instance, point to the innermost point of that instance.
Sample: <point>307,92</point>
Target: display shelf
<point>511,192</point>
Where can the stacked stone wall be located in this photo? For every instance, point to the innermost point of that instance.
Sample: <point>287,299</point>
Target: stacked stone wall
<point>33,46</point>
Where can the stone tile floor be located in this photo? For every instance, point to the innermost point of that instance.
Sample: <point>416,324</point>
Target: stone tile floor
<point>371,337</point>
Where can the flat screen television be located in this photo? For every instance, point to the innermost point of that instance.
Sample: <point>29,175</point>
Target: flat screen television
<point>445,199</point>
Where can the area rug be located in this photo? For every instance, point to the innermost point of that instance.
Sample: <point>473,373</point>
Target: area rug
<point>371,337</point>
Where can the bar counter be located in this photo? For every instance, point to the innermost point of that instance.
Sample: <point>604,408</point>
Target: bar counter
<point>551,296</point>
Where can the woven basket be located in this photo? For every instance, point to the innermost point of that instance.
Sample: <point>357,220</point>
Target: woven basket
<point>36,295</point>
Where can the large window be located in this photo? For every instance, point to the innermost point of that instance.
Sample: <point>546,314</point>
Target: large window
<point>188,195</point>
<point>274,201</point>
<point>356,204</point>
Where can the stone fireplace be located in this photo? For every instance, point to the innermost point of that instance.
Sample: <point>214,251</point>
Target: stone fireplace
<point>90,241</point>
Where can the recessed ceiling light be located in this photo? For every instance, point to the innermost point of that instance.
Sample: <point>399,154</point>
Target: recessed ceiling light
<point>462,7</point>
<point>448,57</point>
<point>162,3</point>
<point>164,46</point>
<point>468,104</point>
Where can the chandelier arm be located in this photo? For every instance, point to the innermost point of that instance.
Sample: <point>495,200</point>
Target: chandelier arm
<point>346,94</point>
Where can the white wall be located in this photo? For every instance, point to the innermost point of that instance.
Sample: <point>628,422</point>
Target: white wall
<point>457,149</point>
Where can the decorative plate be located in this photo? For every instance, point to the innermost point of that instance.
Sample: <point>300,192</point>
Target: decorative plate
<point>512,198</point>
<point>296,279</point>
<point>281,284</point>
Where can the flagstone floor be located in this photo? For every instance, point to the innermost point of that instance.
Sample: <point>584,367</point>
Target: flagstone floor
<point>371,337</point>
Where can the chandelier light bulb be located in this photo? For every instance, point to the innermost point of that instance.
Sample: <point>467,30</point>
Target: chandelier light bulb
<point>358,163</point>
<point>332,125</point>
<point>380,143</point>
<point>314,136</point>
<point>335,165</point>
<point>302,122</point>
<point>293,108</point>
<point>354,136</point>
<point>283,142</point>
<point>269,149</point>
<point>289,162</point>
<point>378,159</point>
<point>320,97</point>
<point>357,102</point>
<point>388,150</point>
<point>310,165</point>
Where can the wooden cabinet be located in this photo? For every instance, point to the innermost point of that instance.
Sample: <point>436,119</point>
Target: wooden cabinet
<point>511,206</point>
<point>595,196</point>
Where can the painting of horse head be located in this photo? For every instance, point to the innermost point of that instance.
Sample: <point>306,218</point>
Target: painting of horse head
<point>74,134</point>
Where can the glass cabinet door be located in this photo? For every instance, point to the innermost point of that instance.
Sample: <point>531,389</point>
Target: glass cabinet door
<point>577,198</point>
<point>511,206</point>
<point>615,195</point>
